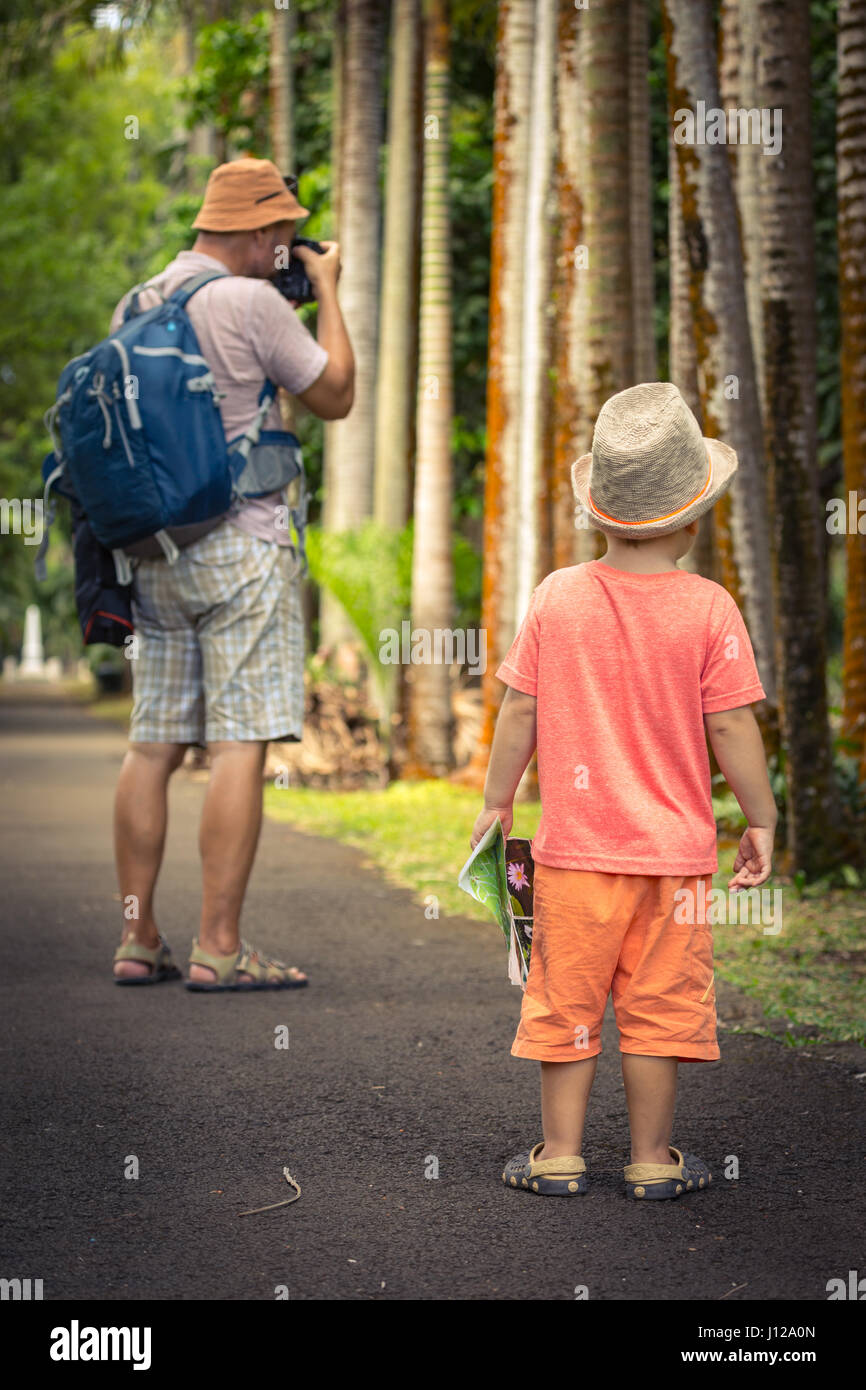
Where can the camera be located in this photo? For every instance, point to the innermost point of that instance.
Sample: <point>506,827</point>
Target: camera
<point>293,282</point>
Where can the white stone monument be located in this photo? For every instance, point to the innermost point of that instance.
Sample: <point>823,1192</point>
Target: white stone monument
<point>32,655</point>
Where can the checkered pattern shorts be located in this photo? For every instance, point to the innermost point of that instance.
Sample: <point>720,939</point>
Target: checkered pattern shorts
<point>220,643</point>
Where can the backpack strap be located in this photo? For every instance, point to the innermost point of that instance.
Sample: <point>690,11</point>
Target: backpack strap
<point>180,296</point>
<point>132,306</point>
<point>189,287</point>
<point>50,503</point>
<point>251,434</point>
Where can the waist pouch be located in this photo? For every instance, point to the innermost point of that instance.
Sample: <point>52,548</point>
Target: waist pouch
<point>265,467</point>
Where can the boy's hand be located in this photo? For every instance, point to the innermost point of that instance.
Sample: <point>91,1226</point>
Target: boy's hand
<point>486,819</point>
<point>754,861</point>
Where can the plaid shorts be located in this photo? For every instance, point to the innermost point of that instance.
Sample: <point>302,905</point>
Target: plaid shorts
<point>220,651</point>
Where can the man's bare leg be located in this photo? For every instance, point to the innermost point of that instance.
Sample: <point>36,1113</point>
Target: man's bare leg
<point>140,820</point>
<point>228,837</point>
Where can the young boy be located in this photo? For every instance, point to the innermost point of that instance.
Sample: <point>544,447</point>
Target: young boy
<point>620,666</point>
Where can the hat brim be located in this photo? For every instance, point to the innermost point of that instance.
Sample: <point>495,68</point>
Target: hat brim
<point>282,208</point>
<point>723,466</point>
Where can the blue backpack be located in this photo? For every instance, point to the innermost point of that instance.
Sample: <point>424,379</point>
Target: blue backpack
<point>139,441</point>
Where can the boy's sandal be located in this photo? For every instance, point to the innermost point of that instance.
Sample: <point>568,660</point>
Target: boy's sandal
<point>265,973</point>
<point>162,967</point>
<point>663,1180</point>
<point>551,1177</point>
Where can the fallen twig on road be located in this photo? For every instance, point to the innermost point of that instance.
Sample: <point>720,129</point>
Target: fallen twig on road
<point>273,1206</point>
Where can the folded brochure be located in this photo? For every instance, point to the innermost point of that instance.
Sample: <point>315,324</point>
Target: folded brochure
<point>498,874</point>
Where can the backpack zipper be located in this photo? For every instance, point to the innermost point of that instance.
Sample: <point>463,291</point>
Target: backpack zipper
<point>119,414</point>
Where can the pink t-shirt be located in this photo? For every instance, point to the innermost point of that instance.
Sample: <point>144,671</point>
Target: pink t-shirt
<point>624,666</point>
<point>249,333</point>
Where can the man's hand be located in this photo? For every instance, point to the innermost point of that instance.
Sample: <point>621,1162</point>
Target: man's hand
<point>486,819</point>
<point>754,861</point>
<point>323,270</point>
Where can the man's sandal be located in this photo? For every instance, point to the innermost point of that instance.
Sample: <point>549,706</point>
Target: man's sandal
<point>162,967</point>
<point>550,1177</point>
<point>663,1180</point>
<point>265,973</point>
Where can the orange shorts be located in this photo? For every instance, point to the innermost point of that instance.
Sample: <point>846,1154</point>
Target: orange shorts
<point>598,933</point>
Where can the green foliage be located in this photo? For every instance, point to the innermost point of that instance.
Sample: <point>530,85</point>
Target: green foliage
<point>79,199</point>
<point>229,83</point>
<point>369,571</point>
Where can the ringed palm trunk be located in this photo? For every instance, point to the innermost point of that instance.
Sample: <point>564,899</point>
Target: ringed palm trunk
<point>851,185</point>
<point>536,295</point>
<point>504,356</point>
<point>738,78</point>
<point>571,431</point>
<point>683,356</point>
<point>282,89</point>
<point>790,370</point>
<point>281,122</point>
<point>398,344</point>
<point>610,349</point>
<point>645,365</point>
<point>430,717</point>
<point>533,545</point>
<point>398,336</point>
<point>352,442</point>
<point>729,392</point>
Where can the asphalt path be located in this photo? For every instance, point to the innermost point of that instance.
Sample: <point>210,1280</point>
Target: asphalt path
<point>398,1068</point>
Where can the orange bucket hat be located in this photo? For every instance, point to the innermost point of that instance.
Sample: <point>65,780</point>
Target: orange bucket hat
<point>246,194</point>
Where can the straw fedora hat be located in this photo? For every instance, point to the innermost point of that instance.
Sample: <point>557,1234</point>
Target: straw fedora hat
<point>651,471</point>
<point>246,194</point>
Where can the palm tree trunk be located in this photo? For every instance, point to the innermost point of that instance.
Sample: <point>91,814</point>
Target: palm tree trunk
<point>683,355</point>
<point>430,717</point>
<point>504,359</point>
<point>351,443</point>
<point>571,432</point>
<point>610,347</point>
<point>398,343</point>
<point>282,97</point>
<point>790,341</point>
<point>738,74</point>
<point>729,391</point>
<point>282,133</point>
<point>851,184</point>
<point>536,297</point>
<point>640,194</point>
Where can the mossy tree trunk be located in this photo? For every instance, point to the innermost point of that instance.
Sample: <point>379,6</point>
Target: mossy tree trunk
<point>514,39</point>
<point>851,184</point>
<point>351,443</point>
<point>729,392</point>
<point>790,380</point>
<point>430,717</point>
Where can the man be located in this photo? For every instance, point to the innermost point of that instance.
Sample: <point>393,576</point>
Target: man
<point>221,637</point>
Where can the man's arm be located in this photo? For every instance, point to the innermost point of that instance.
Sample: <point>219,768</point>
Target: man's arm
<point>332,394</point>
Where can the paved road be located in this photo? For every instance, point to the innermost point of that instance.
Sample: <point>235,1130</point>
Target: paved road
<point>398,1053</point>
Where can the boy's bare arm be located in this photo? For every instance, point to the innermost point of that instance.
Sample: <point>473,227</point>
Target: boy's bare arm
<point>739,749</point>
<point>513,745</point>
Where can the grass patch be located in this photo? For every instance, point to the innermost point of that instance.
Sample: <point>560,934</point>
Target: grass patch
<point>117,708</point>
<point>416,834</point>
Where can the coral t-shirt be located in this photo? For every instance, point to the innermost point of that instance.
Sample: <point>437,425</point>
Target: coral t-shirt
<point>624,666</point>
